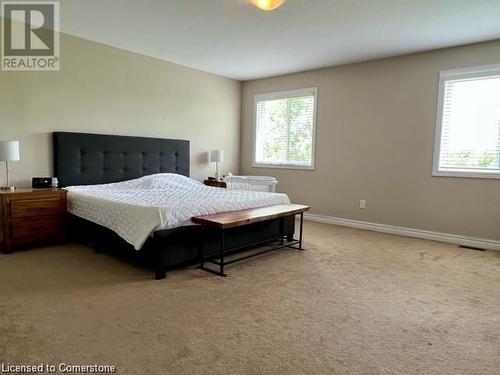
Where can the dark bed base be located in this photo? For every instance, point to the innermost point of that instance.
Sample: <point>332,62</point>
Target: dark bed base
<point>89,159</point>
<point>174,248</point>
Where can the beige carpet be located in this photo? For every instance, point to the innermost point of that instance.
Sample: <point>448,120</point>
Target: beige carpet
<point>356,302</point>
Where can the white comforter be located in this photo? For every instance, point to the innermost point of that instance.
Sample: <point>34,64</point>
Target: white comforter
<point>134,209</point>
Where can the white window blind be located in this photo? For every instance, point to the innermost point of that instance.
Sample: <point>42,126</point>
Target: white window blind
<point>285,129</point>
<point>468,126</point>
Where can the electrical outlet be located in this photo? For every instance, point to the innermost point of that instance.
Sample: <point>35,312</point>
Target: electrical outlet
<point>362,204</point>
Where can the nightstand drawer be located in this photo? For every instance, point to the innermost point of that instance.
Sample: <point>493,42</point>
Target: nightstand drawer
<point>35,207</point>
<point>36,230</point>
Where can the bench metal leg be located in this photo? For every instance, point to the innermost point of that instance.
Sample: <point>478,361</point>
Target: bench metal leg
<point>201,252</point>
<point>292,241</point>
<point>220,263</point>
<point>281,230</point>
<point>221,253</point>
<point>301,230</point>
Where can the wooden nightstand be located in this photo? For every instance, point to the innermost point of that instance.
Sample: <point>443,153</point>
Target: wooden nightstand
<point>214,183</point>
<point>31,216</point>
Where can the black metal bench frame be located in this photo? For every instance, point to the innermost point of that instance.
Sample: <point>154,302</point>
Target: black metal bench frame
<point>220,261</point>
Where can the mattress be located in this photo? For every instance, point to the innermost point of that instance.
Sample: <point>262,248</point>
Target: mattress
<point>137,208</point>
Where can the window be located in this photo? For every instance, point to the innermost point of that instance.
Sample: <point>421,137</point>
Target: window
<point>285,129</point>
<point>468,123</point>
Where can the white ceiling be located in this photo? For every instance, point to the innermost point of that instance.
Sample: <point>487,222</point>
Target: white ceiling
<point>234,39</point>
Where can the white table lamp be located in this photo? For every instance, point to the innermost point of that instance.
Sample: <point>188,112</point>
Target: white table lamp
<point>217,156</point>
<point>9,151</point>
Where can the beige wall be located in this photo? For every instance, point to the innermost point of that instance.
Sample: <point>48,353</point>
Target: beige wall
<point>374,138</point>
<point>375,134</point>
<point>101,89</point>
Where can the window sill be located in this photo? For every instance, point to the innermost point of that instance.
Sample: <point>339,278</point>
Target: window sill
<point>483,175</point>
<point>284,166</point>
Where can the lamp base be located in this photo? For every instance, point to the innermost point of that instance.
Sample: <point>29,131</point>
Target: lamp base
<point>8,188</point>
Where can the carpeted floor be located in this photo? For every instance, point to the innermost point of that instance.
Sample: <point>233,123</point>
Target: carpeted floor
<point>356,302</point>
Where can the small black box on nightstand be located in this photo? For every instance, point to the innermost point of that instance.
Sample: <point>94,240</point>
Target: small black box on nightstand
<point>41,182</point>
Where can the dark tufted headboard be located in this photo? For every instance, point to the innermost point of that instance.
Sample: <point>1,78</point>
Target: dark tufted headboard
<point>89,159</point>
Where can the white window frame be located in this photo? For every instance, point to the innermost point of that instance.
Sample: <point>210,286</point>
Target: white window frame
<point>455,74</point>
<point>284,95</point>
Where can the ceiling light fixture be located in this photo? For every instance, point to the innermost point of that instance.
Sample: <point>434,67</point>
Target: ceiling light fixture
<point>267,4</point>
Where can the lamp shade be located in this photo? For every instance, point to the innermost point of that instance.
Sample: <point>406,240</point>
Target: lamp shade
<point>9,151</point>
<point>217,156</point>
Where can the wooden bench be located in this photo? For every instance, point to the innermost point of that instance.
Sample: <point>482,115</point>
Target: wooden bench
<point>233,219</point>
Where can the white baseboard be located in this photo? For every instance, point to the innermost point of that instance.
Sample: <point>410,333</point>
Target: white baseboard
<point>408,232</point>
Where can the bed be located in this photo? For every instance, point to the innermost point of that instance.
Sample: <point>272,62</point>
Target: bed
<point>93,166</point>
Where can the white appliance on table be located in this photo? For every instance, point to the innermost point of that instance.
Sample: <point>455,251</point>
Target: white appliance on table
<point>253,183</point>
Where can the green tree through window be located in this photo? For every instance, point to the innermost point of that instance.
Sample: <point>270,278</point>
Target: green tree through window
<point>285,130</point>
